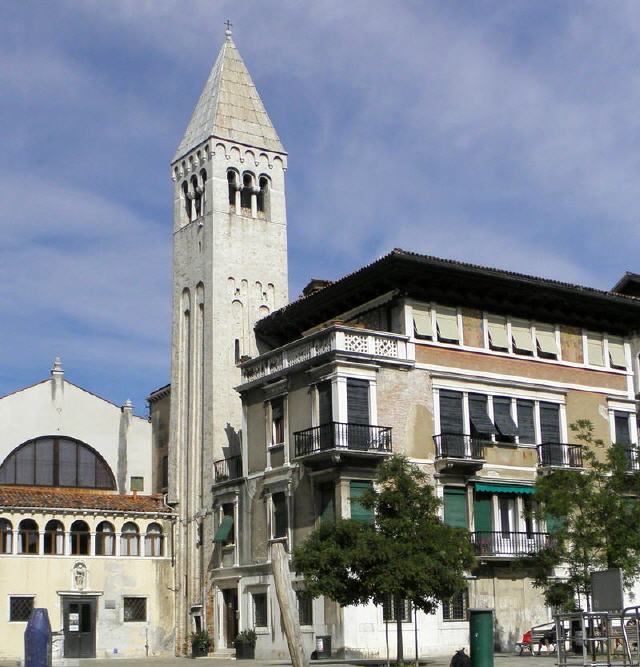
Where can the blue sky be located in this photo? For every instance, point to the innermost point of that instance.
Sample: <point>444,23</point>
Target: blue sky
<point>503,133</point>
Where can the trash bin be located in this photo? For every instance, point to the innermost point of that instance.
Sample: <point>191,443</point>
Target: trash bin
<point>323,646</point>
<point>481,637</point>
<point>37,640</point>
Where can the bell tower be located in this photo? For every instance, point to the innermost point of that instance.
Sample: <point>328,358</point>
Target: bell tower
<point>229,270</point>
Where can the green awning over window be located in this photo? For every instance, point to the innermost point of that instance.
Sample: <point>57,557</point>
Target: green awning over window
<point>505,488</point>
<point>223,529</point>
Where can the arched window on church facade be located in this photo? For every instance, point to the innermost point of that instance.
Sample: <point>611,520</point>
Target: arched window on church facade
<point>105,539</point>
<point>80,537</point>
<point>57,461</point>
<point>6,536</point>
<point>54,538</point>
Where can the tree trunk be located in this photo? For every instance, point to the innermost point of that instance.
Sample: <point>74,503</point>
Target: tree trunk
<point>399,609</point>
<point>286,601</point>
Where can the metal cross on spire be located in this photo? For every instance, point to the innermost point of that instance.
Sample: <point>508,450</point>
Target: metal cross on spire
<point>227,32</point>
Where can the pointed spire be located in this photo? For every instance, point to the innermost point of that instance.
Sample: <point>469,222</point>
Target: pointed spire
<point>229,107</point>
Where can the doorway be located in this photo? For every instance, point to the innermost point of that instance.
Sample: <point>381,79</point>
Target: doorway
<point>230,596</point>
<point>79,625</point>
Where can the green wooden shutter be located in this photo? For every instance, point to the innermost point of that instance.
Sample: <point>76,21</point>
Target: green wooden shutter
<point>280,519</point>
<point>621,422</point>
<point>482,512</point>
<point>550,422</point>
<point>358,512</point>
<point>455,507</point>
<point>555,524</point>
<point>526,427</point>
<point>324,400</point>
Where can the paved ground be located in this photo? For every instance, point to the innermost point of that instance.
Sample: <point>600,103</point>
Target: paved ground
<point>500,660</point>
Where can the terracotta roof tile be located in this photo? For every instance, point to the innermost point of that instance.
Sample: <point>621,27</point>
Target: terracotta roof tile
<point>46,497</point>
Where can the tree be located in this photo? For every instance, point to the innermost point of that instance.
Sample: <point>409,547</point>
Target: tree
<point>406,553</point>
<point>595,514</point>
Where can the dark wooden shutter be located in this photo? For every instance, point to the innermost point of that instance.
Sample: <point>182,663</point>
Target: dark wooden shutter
<point>327,501</point>
<point>280,519</point>
<point>550,422</point>
<point>325,405</point>
<point>482,513</point>
<point>358,512</point>
<point>623,436</point>
<point>357,401</point>
<point>451,417</point>
<point>479,416</point>
<point>502,416</point>
<point>526,426</point>
<point>455,507</point>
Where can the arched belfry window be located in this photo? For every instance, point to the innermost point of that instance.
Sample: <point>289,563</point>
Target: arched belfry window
<point>56,461</point>
<point>247,191</point>
<point>232,182</point>
<point>263,195</point>
<point>197,197</point>
<point>186,196</point>
<point>203,196</point>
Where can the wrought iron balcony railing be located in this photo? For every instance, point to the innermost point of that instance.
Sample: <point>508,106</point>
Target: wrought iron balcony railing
<point>506,543</point>
<point>339,435</point>
<point>459,446</point>
<point>559,455</point>
<point>632,456</point>
<point>226,469</point>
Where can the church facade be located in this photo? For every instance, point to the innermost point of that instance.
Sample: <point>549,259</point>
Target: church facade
<point>81,534</point>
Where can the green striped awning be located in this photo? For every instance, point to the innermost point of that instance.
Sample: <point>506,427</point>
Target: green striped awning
<point>223,529</point>
<point>505,488</point>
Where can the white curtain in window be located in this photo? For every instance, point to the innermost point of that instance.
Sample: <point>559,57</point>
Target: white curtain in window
<point>447,320</point>
<point>422,322</point>
<point>616,352</point>
<point>521,333</point>
<point>498,331</point>
<point>546,338</point>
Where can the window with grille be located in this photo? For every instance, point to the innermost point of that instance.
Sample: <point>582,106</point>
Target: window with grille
<point>305,607</point>
<point>135,610</point>
<point>389,612</point>
<point>260,610</point>
<point>20,608</point>
<point>455,609</point>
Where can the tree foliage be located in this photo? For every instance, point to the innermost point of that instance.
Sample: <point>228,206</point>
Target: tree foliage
<point>596,513</point>
<point>407,552</point>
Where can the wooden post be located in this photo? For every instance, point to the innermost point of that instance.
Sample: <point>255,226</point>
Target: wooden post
<point>284,593</point>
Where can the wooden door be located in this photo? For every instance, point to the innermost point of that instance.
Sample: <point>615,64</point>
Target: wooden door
<point>79,627</point>
<point>230,596</point>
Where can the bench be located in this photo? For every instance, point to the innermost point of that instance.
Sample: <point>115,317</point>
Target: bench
<point>539,635</point>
